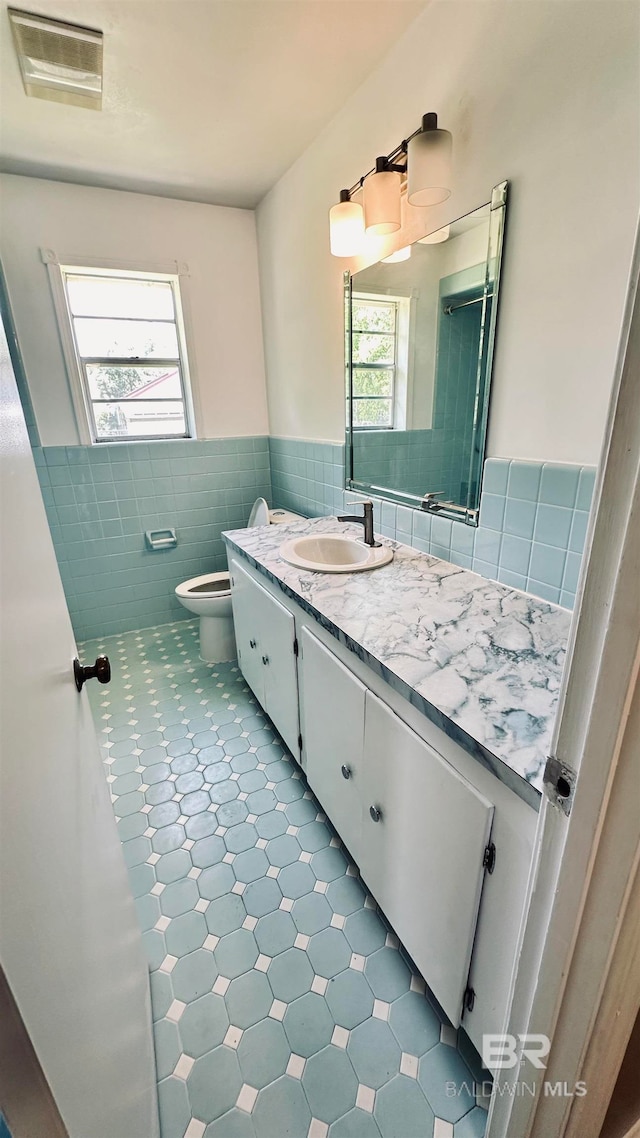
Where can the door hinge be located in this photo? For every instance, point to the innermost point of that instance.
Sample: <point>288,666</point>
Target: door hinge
<point>468,1000</point>
<point>489,858</point>
<point>300,742</point>
<point>559,782</point>
<point>295,646</point>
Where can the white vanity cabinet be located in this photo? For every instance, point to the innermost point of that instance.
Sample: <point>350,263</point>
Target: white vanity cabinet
<point>266,643</point>
<point>442,814</point>
<point>424,837</point>
<point>417,830</point>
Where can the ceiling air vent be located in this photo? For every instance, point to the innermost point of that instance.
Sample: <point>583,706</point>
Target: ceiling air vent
<point>58,61</point>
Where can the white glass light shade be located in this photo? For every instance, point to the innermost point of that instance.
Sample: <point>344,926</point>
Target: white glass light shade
<point>382,202</point>
<point>429,166</point>
<point>346,228</point>
<point>399,255</point>
<point>436,237</point>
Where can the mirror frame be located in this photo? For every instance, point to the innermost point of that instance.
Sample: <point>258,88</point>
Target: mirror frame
<point>464,512</point>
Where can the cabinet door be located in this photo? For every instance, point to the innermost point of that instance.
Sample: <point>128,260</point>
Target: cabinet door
<point>423,859</point>
<point>245,599</point>
<point>333,733</point>
<point>277,656</point>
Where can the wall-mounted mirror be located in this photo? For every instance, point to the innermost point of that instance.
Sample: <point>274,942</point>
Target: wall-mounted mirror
<point>419,346</point>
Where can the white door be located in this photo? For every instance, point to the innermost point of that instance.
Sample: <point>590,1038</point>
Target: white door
<point>422,850</point>
<point>246,622</point>
<point>69,940</point>
<point>333,737</point>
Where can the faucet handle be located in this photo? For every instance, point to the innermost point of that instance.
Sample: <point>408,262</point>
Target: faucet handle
<point>430,500</point>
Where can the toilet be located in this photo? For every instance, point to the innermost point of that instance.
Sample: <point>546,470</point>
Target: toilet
<point>209,596</point>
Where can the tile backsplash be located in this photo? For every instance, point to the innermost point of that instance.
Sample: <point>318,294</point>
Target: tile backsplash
<point>533,516</point>
<point>307,477</point>
<point>101,499</point>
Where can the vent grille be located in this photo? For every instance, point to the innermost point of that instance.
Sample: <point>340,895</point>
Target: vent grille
<point>58,61</point>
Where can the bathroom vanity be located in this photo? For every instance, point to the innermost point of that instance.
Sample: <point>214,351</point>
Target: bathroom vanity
<point>419,700</point>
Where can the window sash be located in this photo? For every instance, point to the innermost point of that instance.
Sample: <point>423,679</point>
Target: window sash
<point>142,362</point>
<point>381,426</point>
<point>385,366</point>
<point>133,362</point>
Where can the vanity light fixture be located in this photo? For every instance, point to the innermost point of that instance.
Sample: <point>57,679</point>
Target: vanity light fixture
<point>429,164</point>
<point>346,221</point>
<point>381,193</point>
<point>399,255</point>
<point>422,161</point>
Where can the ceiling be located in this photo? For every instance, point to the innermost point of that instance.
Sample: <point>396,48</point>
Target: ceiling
<point>208,100</point>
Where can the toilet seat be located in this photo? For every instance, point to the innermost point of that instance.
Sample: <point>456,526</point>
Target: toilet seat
<point>207,586</point>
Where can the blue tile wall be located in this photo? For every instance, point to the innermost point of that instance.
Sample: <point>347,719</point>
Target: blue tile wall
<point>533,516</point>
<point>307,477</point>
<point>456,379</point>
<point>101,499</point>
<point>420,461</point>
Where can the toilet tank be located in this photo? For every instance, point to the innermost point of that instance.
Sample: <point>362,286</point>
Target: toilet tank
<point>282,517</point>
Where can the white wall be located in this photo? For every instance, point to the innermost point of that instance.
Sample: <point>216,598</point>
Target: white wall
<point>545,94</point>
<point>218,245</point>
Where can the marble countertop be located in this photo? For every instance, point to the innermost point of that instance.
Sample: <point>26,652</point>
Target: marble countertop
<point>481,660</point>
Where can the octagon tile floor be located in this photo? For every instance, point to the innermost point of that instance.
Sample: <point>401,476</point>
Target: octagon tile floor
<point>282,1004</point>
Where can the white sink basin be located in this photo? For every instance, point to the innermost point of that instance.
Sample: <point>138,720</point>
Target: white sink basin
<point>334,553</point>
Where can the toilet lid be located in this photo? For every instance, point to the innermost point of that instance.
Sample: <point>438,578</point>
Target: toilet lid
<point>259,515</point>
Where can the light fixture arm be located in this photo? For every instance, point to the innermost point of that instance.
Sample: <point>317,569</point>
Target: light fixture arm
<point>424,158</point>
<point>429,122</point>
<point>386,162</point>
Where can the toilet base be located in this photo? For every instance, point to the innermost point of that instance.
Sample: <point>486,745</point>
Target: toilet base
<point>217,639</point>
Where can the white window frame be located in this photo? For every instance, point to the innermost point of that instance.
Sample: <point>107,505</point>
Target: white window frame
<point>174,273</point>
<point>402,366</point>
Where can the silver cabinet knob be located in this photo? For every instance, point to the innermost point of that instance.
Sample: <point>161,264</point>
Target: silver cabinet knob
<point>346,771</point>
<point>265,659</point>
<point>375,814</point>
<point>252,643</point>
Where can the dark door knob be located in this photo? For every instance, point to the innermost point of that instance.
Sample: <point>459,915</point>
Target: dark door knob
<point>101,671</point>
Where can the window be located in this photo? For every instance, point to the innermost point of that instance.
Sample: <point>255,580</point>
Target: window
<point>129,349</point>
<point>374,340</point>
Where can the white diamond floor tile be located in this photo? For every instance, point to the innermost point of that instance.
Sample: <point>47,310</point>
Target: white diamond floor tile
<point>228,854</point>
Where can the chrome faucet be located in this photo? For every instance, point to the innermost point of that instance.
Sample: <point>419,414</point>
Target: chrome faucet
<point>366,520</point>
